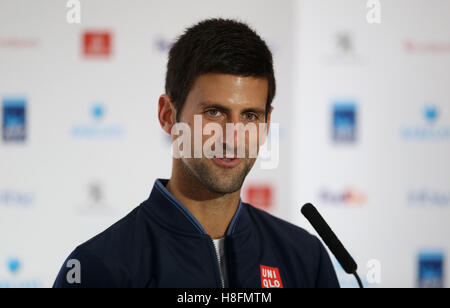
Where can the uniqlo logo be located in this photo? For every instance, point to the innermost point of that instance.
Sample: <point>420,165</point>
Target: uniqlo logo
<point>270,277</point>
<point>259,196</point>
<point>97,44</point>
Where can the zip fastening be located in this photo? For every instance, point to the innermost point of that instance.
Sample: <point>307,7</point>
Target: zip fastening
<point>161,186</point>
<point>222,282</point>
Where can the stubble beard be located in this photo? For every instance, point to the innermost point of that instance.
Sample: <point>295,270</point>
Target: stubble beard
<point>216,179</point>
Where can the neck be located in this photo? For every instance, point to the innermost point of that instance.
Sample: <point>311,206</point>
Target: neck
<point>213,211</point>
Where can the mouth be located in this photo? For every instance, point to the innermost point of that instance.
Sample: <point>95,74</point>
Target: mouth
<point>226,162</point>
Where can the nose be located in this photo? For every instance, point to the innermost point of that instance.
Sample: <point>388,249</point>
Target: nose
<point>231,138</point>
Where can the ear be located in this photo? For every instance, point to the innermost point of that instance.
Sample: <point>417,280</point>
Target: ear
<point>266,132</point>
<point>166,113</point>
<point>269,114</point>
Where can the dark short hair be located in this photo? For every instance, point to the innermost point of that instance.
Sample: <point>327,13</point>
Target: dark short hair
<point>217,46</point>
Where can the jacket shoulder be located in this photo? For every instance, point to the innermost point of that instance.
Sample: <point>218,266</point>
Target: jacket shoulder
<point>279,226</point>
<point>105,259</point>
<point>304,250</point>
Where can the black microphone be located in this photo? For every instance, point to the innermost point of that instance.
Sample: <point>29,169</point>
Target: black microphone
<point>331,240</point>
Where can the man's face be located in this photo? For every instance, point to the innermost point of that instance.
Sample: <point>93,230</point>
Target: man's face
<point>222,99</point>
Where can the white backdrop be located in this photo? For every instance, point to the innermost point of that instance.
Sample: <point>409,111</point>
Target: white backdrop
<point>364,114</point>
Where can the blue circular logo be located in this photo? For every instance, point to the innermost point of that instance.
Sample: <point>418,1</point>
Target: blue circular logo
<point>13,265</point>
<point>431,113</point>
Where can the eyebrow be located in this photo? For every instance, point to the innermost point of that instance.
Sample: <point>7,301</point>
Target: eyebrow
<point>219,106</point>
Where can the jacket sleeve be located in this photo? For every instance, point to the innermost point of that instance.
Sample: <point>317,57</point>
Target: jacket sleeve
<point>82,269</point>
<point>326,277</point>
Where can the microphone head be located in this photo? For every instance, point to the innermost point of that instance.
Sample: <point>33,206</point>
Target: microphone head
<point>330,239</point>
<point>308,209</point>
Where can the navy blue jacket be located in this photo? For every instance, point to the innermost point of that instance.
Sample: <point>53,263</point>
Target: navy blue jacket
<point>161,244</point>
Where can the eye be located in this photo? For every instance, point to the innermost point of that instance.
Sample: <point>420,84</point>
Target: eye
<point>214,113</point>
<point>250,116</point>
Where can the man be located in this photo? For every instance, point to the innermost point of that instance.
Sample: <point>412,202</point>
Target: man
<point>194,231</point>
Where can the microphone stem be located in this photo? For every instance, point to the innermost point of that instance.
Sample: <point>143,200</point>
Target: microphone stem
<point>359,280</point>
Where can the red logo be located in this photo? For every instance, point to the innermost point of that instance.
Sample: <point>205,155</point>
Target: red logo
<point>97,44</point>
<point>259,195</point>
<point>270,277</point>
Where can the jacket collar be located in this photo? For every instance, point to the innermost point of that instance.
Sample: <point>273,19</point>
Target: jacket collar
<point>169,211</point>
